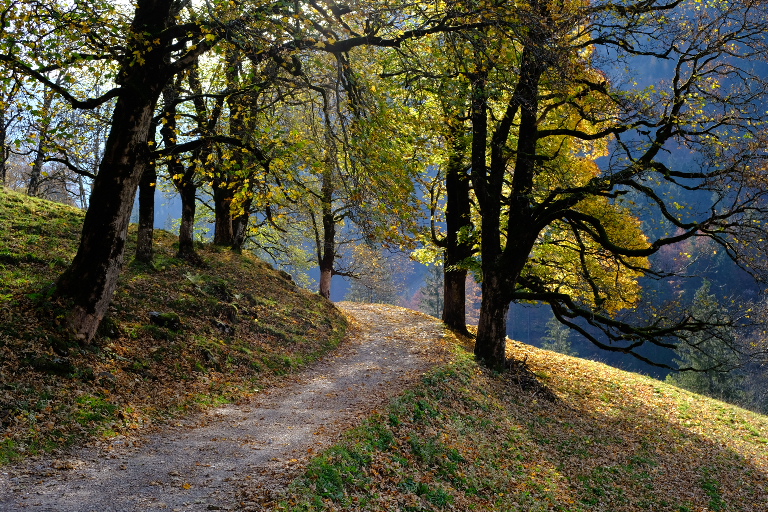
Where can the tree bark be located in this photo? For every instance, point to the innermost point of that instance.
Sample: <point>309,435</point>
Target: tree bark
<point>144,249</point>
<point>457,250</point>
<point>186,184</point>
<point>231,229</point>
<point>454,299</point>
<point>35,177</point>
<point>240,226</point>
<point>503,264</point>
<point>326,250</point>
<point>187,191</point>
<point>326,276</point>
<point>328,255</point>
<point>89,282</point>
<point>82,197</point>
<point>3,147</point>
<point>183,178</point>
<point>491,343</point>
<point>222,206</point>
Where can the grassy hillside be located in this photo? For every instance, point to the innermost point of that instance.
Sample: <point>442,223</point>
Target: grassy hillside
<point>580,436</point>
<point>241,323</point>
<point>573,435</point>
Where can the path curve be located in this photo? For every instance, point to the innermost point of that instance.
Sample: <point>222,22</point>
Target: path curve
<point>231,457</point>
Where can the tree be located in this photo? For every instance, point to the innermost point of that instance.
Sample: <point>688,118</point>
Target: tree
<point>348,175</point>
<point>146,228</point>
<point>186,173</point>
<point>556,338</point>
<point>428,70</point>
<point>375,277</point>
<point>7,96</point>
<point>62,37</point>
<point>233,166</point>
<point>432,299</point>
<point>710,354</point>
<point>554,227</point>
<point>33,188</point>
<point>458,242</point>
<point>50,137</point>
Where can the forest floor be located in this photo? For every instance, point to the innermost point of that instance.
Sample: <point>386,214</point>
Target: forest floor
<point>204,461</point>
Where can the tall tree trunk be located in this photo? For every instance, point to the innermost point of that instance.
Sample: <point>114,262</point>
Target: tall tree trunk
<point>457,250</point>
<point>502,265</point>
<point>230,229</point>
<point>4,152</point>
<point>326,276</point>
<point>144,237</point>
<point>223,195</point>
<point>454,298</point>
<point>223,233</point>
<point>36,173</point>
<point>187,191</point>
<point>81,195</point>
<point>240,226</point>
<point>328,254</point>
<point>491,343</point>
<point>181,177</point>
<point>186,184</point>
<point>326,244</point>
<point>89,282</point>
<point>35,177</point>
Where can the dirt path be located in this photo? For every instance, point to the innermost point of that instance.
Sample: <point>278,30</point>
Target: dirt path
<point>232,457</point>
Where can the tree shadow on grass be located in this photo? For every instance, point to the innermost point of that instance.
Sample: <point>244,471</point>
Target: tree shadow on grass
<point>619,441</point>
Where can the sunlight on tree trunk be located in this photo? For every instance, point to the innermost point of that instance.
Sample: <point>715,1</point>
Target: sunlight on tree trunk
<point>90,280</point>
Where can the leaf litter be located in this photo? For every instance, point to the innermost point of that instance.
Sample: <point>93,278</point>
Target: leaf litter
<point>585,437</point>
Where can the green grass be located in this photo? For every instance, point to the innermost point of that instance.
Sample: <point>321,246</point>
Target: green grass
<point>54,392</point>
<point>470,439</point>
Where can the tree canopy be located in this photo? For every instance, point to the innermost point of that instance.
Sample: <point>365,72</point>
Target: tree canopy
<point>529,121</point>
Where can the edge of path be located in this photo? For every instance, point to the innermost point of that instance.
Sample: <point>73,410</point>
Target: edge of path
<point>237,456</point>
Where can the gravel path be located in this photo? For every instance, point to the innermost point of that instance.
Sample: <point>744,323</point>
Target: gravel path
<point>235,457</point>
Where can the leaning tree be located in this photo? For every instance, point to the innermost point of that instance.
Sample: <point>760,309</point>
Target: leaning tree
<point>44,37</point>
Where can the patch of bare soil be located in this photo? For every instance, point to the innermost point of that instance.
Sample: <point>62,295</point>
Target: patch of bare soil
<point>233,457</point>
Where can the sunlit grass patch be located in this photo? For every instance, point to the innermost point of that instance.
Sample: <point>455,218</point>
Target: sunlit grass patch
<point>470,439</point>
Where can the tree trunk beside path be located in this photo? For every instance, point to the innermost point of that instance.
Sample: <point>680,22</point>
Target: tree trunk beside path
<point>232,457</point>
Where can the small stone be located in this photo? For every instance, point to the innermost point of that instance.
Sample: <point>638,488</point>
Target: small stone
<point>168,320</point>
<point>224,327</point>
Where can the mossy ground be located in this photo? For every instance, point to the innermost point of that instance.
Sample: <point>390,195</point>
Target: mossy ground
<point>243,324</point>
